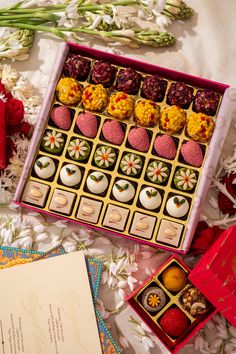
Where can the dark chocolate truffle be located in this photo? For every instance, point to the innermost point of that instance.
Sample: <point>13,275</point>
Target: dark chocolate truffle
<point>103,73</point>
<point>77,67</point>
<point>206,101</point>
<point>128,80</point>
<point>180,94</point>
<point>154,88</point>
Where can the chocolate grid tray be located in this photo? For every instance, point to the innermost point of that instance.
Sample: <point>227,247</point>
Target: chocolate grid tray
<point>126,217</point>
<point>173,300</point>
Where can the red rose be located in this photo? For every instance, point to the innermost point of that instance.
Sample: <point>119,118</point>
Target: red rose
<point>15,111</point>
<point>25,128</point>
<point>10,149</point>
<point>4,91</point>
<point>203,238</point>
<point>2,88</point>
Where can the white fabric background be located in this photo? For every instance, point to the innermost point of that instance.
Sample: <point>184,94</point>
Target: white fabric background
<point>206,47</point>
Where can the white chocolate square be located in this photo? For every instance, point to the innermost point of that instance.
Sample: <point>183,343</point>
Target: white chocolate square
<point>116,217</point>
<point>35,193</point>
<point>169,232</point>
<point>143,225</point>
<point>62,201</point>
<point>89,210</point>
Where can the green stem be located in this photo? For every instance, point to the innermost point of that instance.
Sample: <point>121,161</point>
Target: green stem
<point>44,16</point>
<point>31,27</point>
<point>59,8</point>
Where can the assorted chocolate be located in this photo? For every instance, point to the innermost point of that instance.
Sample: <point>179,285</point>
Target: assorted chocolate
<point>123,150</point>
<point>169,303</point>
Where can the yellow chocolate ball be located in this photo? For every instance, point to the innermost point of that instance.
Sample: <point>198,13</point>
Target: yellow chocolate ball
<point>69,91</point>
<point>174,278</point>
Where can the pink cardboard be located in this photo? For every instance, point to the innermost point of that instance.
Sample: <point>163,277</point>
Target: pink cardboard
<point>222,124</point>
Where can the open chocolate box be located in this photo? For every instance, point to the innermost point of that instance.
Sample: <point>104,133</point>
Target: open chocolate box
<point>109,157</point>
<point>171,305</point>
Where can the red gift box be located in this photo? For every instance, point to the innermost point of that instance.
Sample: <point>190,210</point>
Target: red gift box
<point>172,344</point>
<point>215,274</point>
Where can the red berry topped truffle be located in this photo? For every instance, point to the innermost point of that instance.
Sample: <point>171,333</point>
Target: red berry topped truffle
<point>103,73</point>
<point>180,94</point>
<point>206,101</point>
<point>154,88</point>
<point>174,322</point>
<point>77,67</point>
<point>128,80</point>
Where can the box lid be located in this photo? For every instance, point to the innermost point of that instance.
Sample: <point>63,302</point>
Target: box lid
<point>215,274</point>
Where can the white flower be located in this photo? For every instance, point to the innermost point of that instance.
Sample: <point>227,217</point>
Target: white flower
<point>198,342</point>
<point>157,170</point>
<point>124,342</point>
<point>162,21</point>
<point>76,148</point>
<point>23,89</point>
<point>53,139</point>
<point>186,179</point>
<point>147,343</point>
<point>70,245</point>
<point>100,306</point>
<point>105,156</point>
<point>131,164</point>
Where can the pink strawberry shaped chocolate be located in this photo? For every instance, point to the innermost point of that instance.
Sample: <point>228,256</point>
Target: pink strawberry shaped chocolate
<point>139,140</point>
<point>61,117</point>
<point>165,146</point>
<point>192,153</point>
<point>87,124</point>
<point>112,132</point>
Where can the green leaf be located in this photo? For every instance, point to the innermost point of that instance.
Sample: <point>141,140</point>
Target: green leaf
<point>154,193</point>
<point>69,171</point>
<point>100,177</point>
<point>120,189</point>
<point>182,202</point>
<point>148,193</point>
<point>46,165</point>
<point>93,178</point>
<point>126,186</point>
<point>176,200</point>
<point>39,164</point>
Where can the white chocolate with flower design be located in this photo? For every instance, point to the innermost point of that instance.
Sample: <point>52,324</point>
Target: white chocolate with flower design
<point>78,149</point>
<point>105,156</point>
<point>53,141</point>
<point>157,172</point>
<point>131,164</point>
<point>185,179</point>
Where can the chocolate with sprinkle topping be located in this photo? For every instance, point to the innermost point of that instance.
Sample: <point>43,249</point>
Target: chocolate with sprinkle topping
<point>206,101</point>
<point>77,67</point>
<point>103,73</point>
<point>180,94</point>
<point>154,88</point>
<point>128,80</point>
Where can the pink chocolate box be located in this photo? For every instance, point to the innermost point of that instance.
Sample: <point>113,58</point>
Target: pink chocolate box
<point>221,127</point>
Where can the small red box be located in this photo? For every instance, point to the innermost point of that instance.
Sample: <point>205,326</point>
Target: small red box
<point>215,274</point>
<point>173,300</point>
